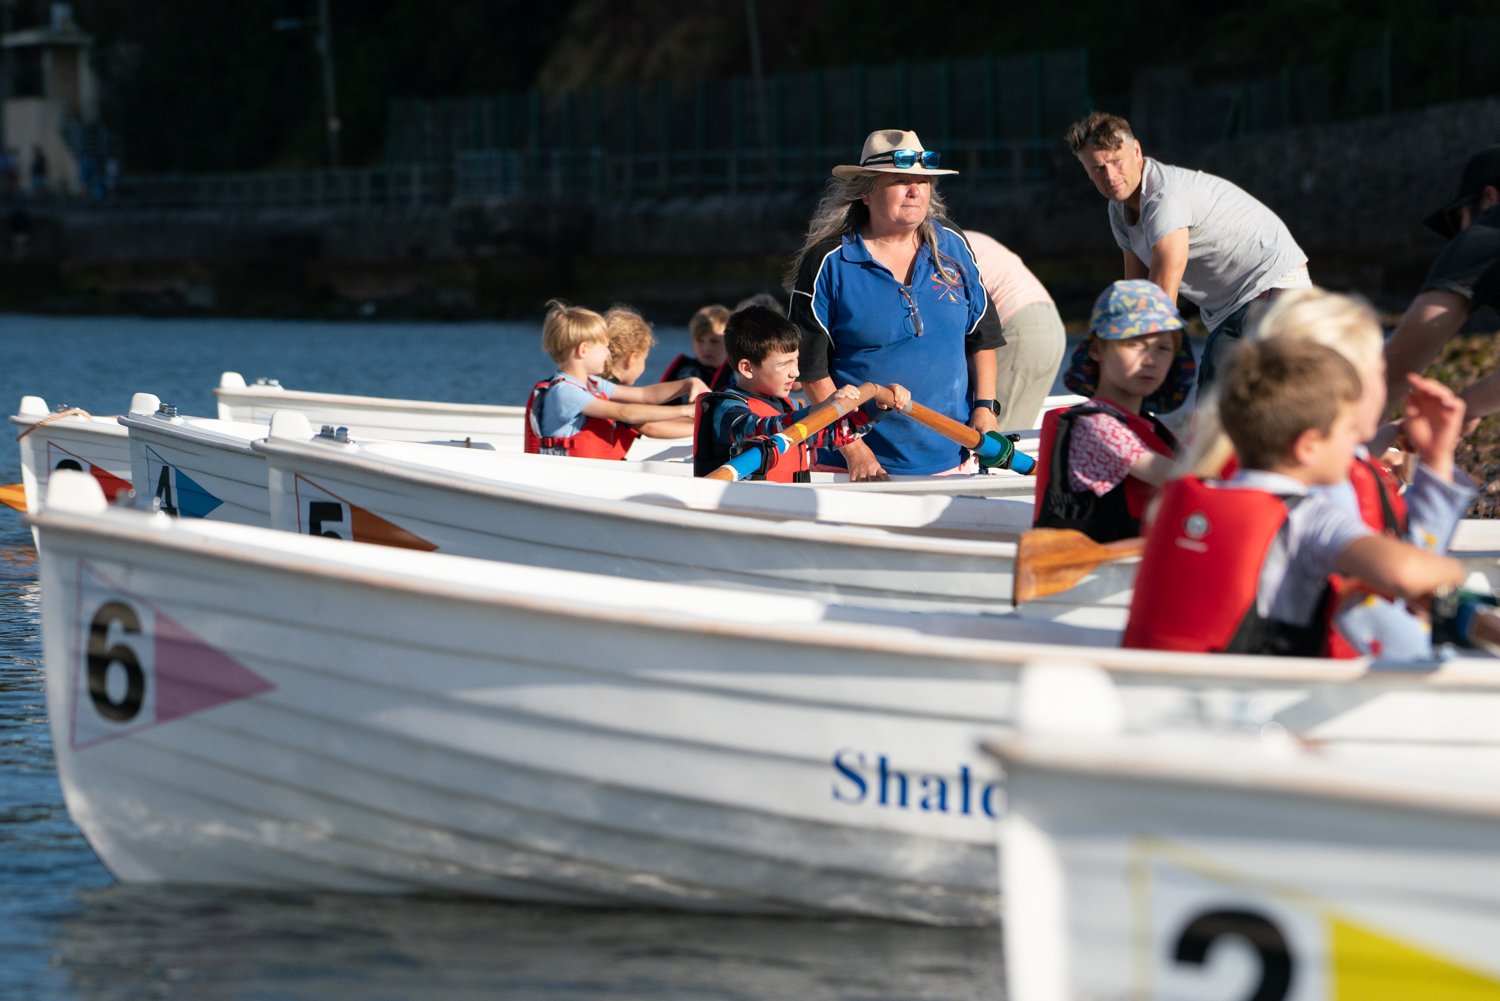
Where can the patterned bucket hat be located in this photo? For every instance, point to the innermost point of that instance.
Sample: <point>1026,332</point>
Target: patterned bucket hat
<point>1134,308</point>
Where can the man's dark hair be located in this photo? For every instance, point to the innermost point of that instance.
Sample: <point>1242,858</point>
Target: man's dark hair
<point>756,331</point>
<point>1100,130</point>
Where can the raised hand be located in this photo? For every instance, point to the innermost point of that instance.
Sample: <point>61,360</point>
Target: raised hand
<point>1432,423</point>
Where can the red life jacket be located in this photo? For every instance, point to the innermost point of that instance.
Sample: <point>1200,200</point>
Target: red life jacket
<point>709,453</point>
<point>1117,514</point>
<point>685,366</point>
<point>601,438</point>
<point>1200,572</point>
<point>1381,505</point>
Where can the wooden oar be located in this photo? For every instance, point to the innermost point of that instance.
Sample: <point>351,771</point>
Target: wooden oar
<point>994,450</point>
<point>747,462</point>
<point>1049,560</point>
<point>13,495</point>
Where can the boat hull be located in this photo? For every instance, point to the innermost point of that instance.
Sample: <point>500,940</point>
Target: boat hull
<point>240,706</point>
<point>1197,869</point>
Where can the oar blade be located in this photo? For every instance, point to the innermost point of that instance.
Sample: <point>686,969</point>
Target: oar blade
<point>13,495</point>
<point>1052,560</point>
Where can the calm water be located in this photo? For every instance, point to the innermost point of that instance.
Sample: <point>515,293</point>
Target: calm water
<point>71,932</point>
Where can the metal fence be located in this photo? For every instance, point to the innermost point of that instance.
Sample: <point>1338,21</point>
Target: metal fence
<point>994,118</point>
<point>790,120</point>
<point>392,187</point>
<point>1448,60</point>
<point>598,175</point>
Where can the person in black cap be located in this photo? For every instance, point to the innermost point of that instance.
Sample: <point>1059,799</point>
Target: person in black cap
<point>1464,276</point>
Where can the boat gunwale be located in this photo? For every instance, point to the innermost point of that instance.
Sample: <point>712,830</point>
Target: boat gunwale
<point>198,539</point>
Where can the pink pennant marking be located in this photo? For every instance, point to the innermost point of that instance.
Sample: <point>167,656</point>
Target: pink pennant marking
<point>192,676</point>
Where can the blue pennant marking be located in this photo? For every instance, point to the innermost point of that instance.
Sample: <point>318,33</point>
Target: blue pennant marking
<point>177,493</point>
<point>192,500</point>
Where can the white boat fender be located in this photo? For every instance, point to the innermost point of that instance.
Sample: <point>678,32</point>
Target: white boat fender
<point>75,491</point>
<point>1068,700</point>
<point>33,406</point>
<point>144,403</point>
<point>290,424</point>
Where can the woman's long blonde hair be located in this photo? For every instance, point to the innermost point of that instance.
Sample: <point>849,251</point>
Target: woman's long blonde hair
<point>842,210</point>
<point>1346,323</point>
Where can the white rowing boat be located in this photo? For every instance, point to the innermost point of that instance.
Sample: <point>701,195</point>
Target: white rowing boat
<point>372,417</point>
<point>684,531</point>
<point>870,548</point>
<point>206,448</point>
<point>248,707</point>
<point>69,438</point>
<point>1215,867</point>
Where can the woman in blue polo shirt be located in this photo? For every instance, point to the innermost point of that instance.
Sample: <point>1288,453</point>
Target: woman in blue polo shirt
<point>885,289</point>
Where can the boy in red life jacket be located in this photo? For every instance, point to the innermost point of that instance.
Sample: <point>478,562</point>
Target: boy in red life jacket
<point>1243,564</point>
<point>1426,512</point>
<point>762,347</point>
<point>1099,463</point>
<point>577,413</point>
<point>708,361</point>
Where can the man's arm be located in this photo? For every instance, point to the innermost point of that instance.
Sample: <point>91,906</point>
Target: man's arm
<point>1169,257</point>
<point>1135,267</point>
<point>1482,399</point>
<point>1432,318</point>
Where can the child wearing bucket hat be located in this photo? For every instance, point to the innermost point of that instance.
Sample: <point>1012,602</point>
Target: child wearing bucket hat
<point>1100,462</point>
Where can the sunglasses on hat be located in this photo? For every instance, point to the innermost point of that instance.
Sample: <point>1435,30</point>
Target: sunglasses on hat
<point>905,158</point>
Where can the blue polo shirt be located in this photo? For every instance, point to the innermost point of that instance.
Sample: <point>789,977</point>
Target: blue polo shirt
<point>857,326</point>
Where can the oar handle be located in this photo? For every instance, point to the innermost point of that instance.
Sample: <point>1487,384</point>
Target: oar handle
<point>994,450</point>
<point>830,410</point>
<point>1466,618</point>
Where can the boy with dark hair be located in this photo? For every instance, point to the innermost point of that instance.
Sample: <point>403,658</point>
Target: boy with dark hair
<point>1243,565</point>
<point>761,346</point>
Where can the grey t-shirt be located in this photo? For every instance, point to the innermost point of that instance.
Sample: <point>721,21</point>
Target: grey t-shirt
<point>1237,248</point>
<point>1305,552</point>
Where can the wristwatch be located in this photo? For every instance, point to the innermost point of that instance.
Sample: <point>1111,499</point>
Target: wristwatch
<point>993,406</point>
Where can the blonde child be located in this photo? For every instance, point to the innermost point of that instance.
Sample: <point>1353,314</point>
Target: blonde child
<point>1244,565</point>
<point>1100,462</point>
<point>1426,513</point>
<point>578,413</point>
<point>630,342</point>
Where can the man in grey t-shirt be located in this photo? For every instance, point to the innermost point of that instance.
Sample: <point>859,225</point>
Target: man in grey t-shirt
<point>1191,233</point>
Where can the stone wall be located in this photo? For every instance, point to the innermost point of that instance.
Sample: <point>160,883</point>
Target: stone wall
<point>1353,194</point>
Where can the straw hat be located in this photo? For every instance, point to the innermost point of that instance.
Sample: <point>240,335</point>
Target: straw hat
<point>876,157</point>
